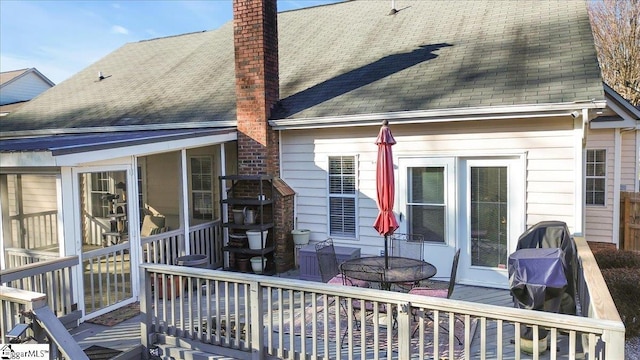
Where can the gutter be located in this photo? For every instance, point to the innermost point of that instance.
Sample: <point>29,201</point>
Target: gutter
<point>440,115</point>
<point>111,129</point>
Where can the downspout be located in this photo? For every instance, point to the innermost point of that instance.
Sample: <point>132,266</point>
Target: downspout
<point>617,155</point>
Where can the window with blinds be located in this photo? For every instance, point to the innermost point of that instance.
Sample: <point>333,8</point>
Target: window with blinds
<point>342,196</point>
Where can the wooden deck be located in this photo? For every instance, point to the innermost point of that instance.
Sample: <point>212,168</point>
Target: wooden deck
<point>126,335</point>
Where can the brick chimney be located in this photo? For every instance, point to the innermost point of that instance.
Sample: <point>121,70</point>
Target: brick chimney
<point>255,29</point>
<point>255,38</point>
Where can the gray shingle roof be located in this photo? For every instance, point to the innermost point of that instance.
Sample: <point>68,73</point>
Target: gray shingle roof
<point>343,59</point>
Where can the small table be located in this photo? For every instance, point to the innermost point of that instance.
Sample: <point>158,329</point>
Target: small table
<point>400,270</point>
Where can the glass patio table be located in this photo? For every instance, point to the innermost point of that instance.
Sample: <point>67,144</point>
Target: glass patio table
<point>400,270</point>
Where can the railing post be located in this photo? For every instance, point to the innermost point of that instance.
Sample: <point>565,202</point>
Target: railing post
<point>146,299</point>
<point>257,323</point>
<point>404,330</point>
<point>614,344</point>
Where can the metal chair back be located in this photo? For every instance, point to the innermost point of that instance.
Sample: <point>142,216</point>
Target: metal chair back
<point>327,260</point>
<point>454,272</point>
<point>408,246</point>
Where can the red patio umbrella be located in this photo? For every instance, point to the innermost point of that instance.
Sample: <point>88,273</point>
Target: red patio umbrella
<point>386,222</point>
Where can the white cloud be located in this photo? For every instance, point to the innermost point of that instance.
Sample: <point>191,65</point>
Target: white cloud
<point>117,29</point>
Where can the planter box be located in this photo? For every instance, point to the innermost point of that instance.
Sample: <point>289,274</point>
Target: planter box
<point>309,269</point>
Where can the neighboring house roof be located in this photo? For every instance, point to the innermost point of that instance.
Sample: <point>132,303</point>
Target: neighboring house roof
<point>344,59</point>
<point>7,109</point>
<point>18,86</point>
<point>6,77</point>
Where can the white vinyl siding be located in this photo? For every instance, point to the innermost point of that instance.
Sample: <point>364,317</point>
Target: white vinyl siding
<point>25,88</point>
<point>629,161</point>
<point>599,219</point>
<point>547,143</point>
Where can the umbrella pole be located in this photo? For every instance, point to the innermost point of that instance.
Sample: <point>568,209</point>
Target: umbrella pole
<point>386,253</point>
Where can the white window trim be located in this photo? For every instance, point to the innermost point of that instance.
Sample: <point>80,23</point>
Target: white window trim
<point>449,164</point>
<point>605,177</point>
<point>192,191</point>
<point>355,196</point>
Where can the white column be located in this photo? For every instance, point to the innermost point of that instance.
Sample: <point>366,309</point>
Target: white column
<point>184,199</point>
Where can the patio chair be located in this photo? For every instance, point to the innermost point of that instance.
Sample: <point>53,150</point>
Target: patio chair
<point>408,246</point>
<point>329,269</point>
<point>439,291</point>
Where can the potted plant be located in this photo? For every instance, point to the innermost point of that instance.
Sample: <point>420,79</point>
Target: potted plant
<point>300,236</point>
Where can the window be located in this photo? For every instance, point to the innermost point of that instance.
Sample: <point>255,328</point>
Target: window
<point>595,179</point>
<point>426,206</point>
<point>99,188</point>
<point>201,187</point>
<point>342,196</point>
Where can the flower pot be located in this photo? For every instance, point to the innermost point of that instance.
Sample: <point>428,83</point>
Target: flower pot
<point>257,239</point>
<point>258,263</point>
<point>165,289</point>
<point>238,216</point>
<point>300,236</point>
<point>243,264</point>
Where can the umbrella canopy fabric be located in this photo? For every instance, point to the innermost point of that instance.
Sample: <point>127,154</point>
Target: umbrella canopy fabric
<point>386,222</point>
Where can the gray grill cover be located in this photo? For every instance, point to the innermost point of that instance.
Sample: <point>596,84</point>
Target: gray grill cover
<point>555,234</point>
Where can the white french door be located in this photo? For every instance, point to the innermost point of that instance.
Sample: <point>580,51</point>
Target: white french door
<point>492,217</point>
<point>427,197</point>
<point>475,204</point>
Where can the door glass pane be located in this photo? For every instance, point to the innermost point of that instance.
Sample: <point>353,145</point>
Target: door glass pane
<point>426,207</point>
<point>106,261</point>
<point>489,216</point>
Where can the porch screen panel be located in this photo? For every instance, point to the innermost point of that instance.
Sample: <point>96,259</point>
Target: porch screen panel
<point>489,216</point>
<point>342,196</point>
<point>426,208</point>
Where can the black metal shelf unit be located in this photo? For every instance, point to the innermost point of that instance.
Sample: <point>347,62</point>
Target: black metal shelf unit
<point>248,192</point>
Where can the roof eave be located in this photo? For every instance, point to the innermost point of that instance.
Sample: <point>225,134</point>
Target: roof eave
<point>440,115</point>
<point>106,129</point>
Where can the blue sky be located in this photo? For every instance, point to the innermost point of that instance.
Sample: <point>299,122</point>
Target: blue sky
<point>60,38</point>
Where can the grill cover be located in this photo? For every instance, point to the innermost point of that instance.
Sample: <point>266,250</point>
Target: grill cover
<point>555,234</point>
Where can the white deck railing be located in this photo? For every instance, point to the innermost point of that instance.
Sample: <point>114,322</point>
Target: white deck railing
<point>31,308</point>
<point>246,315</point>
<point>35,230</point>
<point>165,248</point>
<point>51,277</point>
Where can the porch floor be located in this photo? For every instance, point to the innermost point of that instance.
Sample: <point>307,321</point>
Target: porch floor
<point>126,335</point>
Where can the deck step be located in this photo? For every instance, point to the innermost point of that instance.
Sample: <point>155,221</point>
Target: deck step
<point>170,352</point>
